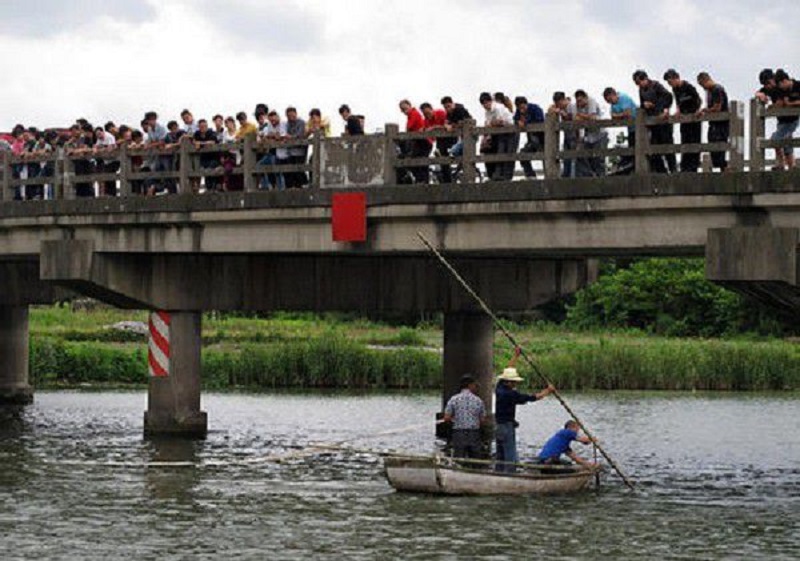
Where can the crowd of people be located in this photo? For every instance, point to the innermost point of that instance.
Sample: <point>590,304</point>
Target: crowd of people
<point>655,100</point>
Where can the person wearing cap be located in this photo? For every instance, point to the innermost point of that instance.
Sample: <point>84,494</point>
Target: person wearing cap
<point>467,412</point>
<point>506,400</point>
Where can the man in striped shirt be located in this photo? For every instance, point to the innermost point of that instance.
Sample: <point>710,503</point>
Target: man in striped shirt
<point>467,413</point>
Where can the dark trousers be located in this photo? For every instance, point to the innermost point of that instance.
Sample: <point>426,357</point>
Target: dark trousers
<point>296,179</point>
<point>533,145</point>
<point>595,166</point>
<point>503,144</point>
<point>690,134</point>
<point>718,132</point>
<point>629,162</point>
<point>420,148</point>
<point>443,146</point>
<point>660,135</point>
<point>467,443</point>
<point>109,187</point>
<point>83,189</point>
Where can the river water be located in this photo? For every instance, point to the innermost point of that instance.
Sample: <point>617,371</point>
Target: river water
<point>718,477</point>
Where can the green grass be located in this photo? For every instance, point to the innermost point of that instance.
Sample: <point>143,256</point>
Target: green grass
<point>340,351</point>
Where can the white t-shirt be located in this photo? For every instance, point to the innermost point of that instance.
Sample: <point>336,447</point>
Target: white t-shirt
<point>499,112</point>
<point>107,140</point>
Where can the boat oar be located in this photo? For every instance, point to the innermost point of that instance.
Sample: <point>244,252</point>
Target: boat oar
<point>524,355</point>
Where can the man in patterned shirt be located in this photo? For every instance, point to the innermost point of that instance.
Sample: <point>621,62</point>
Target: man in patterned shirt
<point>467,413</point>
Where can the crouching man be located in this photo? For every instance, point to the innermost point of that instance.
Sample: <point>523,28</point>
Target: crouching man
<point>559,444</point>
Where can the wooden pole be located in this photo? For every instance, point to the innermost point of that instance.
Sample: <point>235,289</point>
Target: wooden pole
<point>524,355</point>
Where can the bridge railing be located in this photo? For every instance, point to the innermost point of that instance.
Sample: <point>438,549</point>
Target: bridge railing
<point>127,170</point>
<point>251,164</point>
<point>759,115</point>
<point>564,141</point>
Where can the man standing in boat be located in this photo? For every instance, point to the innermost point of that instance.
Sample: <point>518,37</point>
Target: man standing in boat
<point>506,400</point>
<point>467,413</point>
<point>559,444</point>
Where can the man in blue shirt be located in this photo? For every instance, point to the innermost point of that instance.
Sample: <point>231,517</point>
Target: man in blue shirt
<point>559,444</point>
<point>529,114</point>
<point>507,399</point>
<point>623,108</point>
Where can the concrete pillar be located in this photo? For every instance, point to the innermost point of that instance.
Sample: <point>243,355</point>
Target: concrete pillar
<point>173,401</point>
<point>468,349</point>
<point>14,387</point>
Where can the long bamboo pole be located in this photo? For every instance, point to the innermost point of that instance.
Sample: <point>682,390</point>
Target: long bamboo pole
<point>524,355</point>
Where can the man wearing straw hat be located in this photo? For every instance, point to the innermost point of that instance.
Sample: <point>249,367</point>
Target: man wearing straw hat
<point>507,399</point>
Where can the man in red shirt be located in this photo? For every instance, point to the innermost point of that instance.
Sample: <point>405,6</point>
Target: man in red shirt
<point>415,147</point>
<point>437,119</point>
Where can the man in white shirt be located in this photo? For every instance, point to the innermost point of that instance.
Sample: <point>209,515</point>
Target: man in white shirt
<point>592,138</point>
<point>105,142</point>
<point>497,115</point>
<point>189,126</point>
<point>274,130</point>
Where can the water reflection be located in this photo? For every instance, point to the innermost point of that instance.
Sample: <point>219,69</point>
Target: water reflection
<point>172,469</point>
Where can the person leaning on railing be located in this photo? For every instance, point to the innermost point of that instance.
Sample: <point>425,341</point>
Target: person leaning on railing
<point>593,138</point>
<point>414,147</point>
<point>456,115</point>
<point>622,107</point>
<point>103,144</point>
<point>565,110</point>
<point>529,114</point>
<point>718,131</point>
<point>655,101</point>
<point>316,122</point>
<point>203,137</point>
<point>497,115</point>
<point>296,130</point>
<point>688,102</point>
<point>787,95</point>
<point>80,144</point>
<point>436,119</point>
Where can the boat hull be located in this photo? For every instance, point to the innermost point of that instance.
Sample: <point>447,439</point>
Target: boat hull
<point>431,475</point>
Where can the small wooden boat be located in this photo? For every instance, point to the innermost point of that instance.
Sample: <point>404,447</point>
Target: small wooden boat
<point>440,475</point>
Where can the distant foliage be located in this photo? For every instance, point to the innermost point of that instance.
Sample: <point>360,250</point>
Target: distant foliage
<point>669,297</point>
<point>675,364</point>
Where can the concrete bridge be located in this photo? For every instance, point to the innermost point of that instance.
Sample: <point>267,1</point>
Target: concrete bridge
<point>520,243</point>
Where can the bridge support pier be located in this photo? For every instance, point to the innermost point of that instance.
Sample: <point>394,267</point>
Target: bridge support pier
<point>468,349</point>
<point>173,401</point>
<point>14,386</point>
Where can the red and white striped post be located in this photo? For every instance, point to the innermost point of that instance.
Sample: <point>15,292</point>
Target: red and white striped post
<point>158,351</point>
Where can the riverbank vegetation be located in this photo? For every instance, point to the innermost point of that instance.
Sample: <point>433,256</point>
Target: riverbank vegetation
<point>72,348</point>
